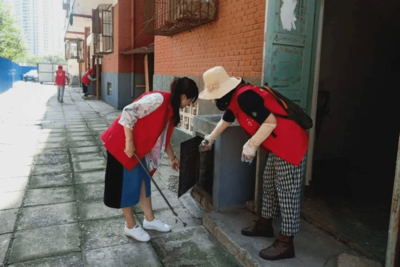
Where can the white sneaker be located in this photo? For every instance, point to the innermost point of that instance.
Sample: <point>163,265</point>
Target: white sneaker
<point>137,233</point>
<point>157,225</point>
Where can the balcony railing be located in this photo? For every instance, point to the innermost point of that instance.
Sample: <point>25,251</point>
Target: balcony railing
<point>168,17</point>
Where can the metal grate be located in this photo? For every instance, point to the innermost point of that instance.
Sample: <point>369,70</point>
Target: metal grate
<point>187,115</point>
<point>169,17</point>
<point>80,47</point>
<point>103,29</point>
<point>71,50</point>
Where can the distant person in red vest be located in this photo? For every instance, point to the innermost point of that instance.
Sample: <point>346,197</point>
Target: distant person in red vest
<point>255,109</point>
<point>144,128</point>
<point>60,83</point>
<point>86,79</point>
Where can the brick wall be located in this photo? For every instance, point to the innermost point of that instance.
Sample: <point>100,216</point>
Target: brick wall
<point>128,34</point>
<point>234,41</point>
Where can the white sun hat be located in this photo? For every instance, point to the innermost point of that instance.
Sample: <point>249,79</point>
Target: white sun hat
<point>217,83</point>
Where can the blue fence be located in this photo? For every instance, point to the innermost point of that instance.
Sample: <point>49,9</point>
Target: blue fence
<point>8,69</point>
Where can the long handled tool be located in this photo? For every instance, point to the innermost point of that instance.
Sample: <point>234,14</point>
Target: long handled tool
<point>159,190</point>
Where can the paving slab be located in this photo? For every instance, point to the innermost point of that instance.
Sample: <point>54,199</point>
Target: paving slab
<point>176,225</point>
<point>81,143</point>
<point>52,139</point>
<point>347,260</point>
<point>313,247</point>
<point>80,138</point>
<point>47,151</point>
<point>44,196</point>
<point>89,192</point>
<point>7,220</point>
<point>51,169</point>
<point>76,158</point>
<point>71,260</point>
<point>96,210</point>
<point>77,134</point>
<point>89,149</point>
<point>90,165</point>
<point>158,202</point>
<point>45,242</point>
<point>4,244</point>
<point>51,135</point>
<point>11,171</point>
<point>51,180</point>
<point>50,159</point>
<point>48,215</point>
<point>13,184</point>
<point>104,233</point>
<point>53,130</point>
<point>195,247</point>
<point>51,145</point>
<point>133,254</point>
<point>11,200</point>
<point>160,183</point>
<point>15,160</point>
<point>90,177</point>
<point>81,129</point>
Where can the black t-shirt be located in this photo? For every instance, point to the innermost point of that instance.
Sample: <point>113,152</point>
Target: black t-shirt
<point>252,104</point>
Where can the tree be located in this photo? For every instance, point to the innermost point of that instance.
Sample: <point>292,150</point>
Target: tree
<point>57,58</point>
<point>11,40</point>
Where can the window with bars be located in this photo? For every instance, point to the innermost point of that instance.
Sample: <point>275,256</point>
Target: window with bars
<point>187,115</point>
<point>80,46</point>
<point>71,50</point>
<point>103,29</point>
<point>169,17</point>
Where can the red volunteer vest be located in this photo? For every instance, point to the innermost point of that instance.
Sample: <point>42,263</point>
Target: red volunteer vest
<point>85,79</point>
<point>60,77</point>
<point>146,132</point>
<point>290,142</point>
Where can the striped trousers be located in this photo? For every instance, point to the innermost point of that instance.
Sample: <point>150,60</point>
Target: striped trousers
<point>283,182</point>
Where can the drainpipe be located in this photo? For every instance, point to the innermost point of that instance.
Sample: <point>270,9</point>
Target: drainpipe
<point>98,78</point>
<point>133,47</point>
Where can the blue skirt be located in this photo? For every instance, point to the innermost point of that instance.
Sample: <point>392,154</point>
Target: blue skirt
<point>122,187</point>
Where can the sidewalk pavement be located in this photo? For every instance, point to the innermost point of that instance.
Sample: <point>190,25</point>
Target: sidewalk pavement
<point>51,188</point>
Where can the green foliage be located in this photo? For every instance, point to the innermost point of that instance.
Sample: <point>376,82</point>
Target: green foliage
<point>59,58</point>
<point>12,45</point>
<point>28,58</point>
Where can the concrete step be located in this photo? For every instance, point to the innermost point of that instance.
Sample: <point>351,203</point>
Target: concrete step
<point>313,247</point>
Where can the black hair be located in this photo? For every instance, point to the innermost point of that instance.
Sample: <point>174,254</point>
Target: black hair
<point>182,86</point>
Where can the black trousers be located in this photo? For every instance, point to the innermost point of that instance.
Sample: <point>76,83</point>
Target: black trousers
<point>84,88</point>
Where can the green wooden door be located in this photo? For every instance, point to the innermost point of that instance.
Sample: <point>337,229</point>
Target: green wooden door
<point>289,48</point>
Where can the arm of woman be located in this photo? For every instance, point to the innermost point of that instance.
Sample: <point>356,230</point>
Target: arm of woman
<point>129,145</point>
<point>172,157</point>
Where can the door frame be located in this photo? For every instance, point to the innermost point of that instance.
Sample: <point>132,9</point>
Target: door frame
<point>315,70</point>
<point>393,245</point>
<point>314,73</point>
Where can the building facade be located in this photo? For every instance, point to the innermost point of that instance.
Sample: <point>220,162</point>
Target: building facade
<point>41,24</point>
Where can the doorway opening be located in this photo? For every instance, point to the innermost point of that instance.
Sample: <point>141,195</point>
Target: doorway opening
<point>357,131</point>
